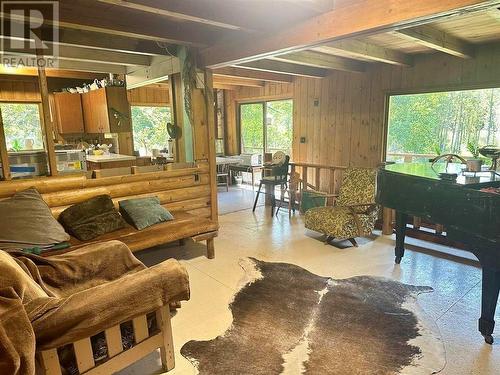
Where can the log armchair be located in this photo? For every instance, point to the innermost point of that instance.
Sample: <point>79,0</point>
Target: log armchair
<point>354,211</point>
<point>94,310</point>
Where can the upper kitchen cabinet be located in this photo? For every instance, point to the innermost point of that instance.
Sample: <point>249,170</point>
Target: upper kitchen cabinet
<point>68,108</point>
<point>106,110</point>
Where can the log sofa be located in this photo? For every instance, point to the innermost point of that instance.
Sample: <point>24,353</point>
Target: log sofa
<point>185,192</point>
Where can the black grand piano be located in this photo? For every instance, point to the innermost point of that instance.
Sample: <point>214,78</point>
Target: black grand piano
<point>466,207</point>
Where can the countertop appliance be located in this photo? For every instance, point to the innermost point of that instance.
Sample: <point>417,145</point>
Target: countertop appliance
<point>249,159</point>
<point>71,160</point>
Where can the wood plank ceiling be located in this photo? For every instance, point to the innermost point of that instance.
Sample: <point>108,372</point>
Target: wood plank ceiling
<point>252,42</point>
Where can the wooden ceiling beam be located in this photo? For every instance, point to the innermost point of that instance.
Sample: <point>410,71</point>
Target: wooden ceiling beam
<point>232,71</point>
<point>354,48</point>
<point>108,57</point>
<point>438,40</point>
<point>51,73</point>
<point>322,60</point>
<point>91,67</point>
<point>239,17</point>
<point>236,81</point>
<point>222,86</point>
<point>161,8</point>
<point>347,19</point>
<point>93,55</point>
<point>285,67</point>
<point>95,17</point>
<point>100,56</point>
<point>105,42</point>
<point>160,69</point>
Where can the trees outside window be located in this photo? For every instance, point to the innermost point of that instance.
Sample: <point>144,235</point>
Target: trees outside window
<point>424,125</point>
<point>267,127</point>
<point>22,126</point>
<point>150,128</point>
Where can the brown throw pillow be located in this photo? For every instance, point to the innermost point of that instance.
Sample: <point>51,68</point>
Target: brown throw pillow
<point>26,221</point>
<point>92,218</point>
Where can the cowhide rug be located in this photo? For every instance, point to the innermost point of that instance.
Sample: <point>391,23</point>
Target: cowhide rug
<point>287,320</point>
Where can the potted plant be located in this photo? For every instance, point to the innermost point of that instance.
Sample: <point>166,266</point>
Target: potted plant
<point>474,164</point>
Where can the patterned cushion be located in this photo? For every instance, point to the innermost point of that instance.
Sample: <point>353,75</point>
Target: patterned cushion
<point>339,222</point>
<point>358,186</point>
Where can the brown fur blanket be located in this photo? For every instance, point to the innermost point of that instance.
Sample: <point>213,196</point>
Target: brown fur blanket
<point>49,302</point>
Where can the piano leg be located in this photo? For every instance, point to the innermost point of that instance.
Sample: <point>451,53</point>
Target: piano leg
<point>399,251</point>
<point>491,287</point>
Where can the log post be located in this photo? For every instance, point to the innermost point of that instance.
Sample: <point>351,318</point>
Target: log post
<point>4,155</point>
<point>46,119</point>
<point>387,228</point>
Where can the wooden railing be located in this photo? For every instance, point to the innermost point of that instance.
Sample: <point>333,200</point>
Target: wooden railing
<point>319,177</point>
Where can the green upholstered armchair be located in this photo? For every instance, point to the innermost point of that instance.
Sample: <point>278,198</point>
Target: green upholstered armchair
<point>354,211</point>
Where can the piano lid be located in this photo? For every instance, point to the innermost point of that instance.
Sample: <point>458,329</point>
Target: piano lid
<point>428,171</point>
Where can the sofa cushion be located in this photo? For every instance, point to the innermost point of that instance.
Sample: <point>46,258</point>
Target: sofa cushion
<point>144,212</point>
<point>26,221</point>
<point>92,218</point>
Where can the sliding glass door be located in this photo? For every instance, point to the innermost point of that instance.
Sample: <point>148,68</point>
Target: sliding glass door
<point>252,128</point>
<point>266,127</point>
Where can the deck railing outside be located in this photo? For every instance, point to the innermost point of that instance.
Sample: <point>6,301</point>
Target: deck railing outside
<point>408,157</point>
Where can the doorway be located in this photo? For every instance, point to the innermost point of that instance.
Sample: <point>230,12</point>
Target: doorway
<point>266,127</point>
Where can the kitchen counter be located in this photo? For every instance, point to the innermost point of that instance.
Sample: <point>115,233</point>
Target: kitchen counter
<point>95,162</point>
<point>109,158</point>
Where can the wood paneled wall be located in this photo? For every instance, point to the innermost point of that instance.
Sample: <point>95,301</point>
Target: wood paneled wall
<point>270,91</point>
<point>19,91</point>
<point>152,95</point>
<point>343,116</point>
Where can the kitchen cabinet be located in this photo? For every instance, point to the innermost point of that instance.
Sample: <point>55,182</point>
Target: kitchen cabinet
<point>69,113</point>
<point>106,110</point>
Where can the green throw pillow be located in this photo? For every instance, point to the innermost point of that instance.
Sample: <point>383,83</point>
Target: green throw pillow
<point>144,212</point>
<point>92,218</point>
<point>310,200</point>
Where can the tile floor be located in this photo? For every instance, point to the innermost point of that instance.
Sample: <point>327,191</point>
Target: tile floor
<point>455,303</point>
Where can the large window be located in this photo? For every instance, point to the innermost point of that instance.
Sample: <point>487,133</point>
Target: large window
<point>266,127</point>
<point>24,139</point>
<point>150,128</point>
<point>22,127</point>
<point>425,125</point>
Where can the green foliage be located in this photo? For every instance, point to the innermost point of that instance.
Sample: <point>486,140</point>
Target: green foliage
<point>473,149</point>
<point>252,134</point>
<point>21,121</point>
<point>150,128</point>
<point>443,122</point>
<point>279,127</point>
<point>16,145</point>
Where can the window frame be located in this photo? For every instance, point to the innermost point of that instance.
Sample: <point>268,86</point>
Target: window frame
<point>264,120</point>
<point>388,93</point>
<point>147,105</point>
